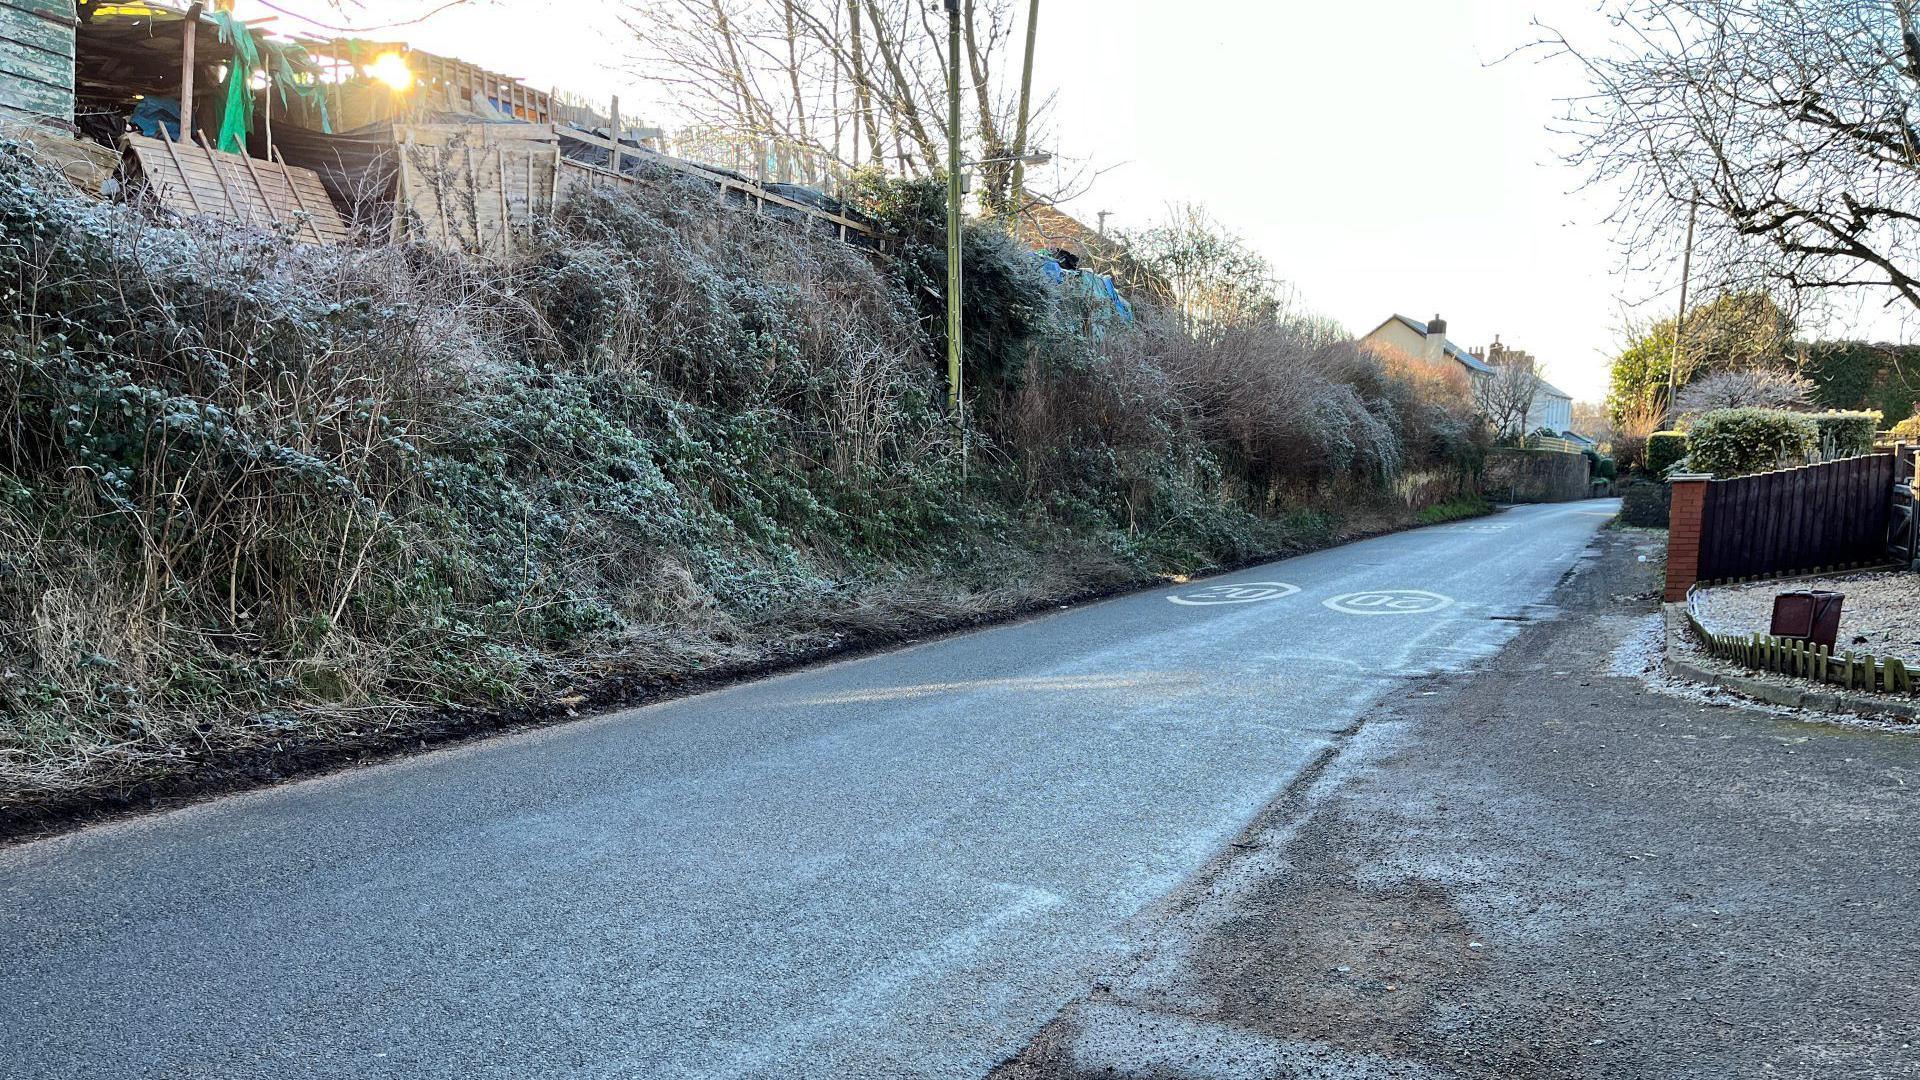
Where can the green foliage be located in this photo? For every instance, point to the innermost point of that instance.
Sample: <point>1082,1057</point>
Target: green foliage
<point>1665,449</point>
<point>1728,332</point>
<point>253,491</point>
<point>1735,442</point>
<point>1006,302</point>
<point>1846,434</point>
<point>1644,503</point>
<point>1856,375</point>
<point>1466,506</point>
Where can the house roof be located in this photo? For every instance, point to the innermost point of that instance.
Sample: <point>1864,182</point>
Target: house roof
<point>1551,390</point>
<point>1472,362</point>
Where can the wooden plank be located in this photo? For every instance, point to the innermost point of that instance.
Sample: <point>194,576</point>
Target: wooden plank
<point>37,58</point>
<point>240,213</point>
<point>1794,550</point>
<point>210,181</point>
<point>299,198</point>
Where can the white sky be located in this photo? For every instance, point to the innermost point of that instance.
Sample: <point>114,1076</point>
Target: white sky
<point>1371,149</point>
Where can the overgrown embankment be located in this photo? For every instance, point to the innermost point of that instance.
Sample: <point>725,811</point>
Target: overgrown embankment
<point>257,497</point>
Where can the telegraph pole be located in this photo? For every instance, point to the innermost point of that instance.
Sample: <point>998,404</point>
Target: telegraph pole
<point>953,208</point>
<point>1680,322</point>
<point>1026,95</point>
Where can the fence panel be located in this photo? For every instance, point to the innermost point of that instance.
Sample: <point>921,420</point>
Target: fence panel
<point>1832,514</point>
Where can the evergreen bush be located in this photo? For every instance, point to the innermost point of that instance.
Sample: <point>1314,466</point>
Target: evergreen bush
<point>1846,434</point>
<point>1665,449</point>
<point>1735,442</point>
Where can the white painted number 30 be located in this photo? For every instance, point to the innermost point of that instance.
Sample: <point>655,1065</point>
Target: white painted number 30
<point>1242,592</point>
<point>1389,602</point>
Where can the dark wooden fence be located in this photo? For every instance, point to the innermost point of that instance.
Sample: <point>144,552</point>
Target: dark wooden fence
<point>1809,518</point>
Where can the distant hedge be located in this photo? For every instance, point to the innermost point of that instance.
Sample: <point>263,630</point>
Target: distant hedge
<point>1734,442</point>
<point>1846,434</point>
<point>1664,450</point>
<point>1907,430</point>
<point>1862,375</point>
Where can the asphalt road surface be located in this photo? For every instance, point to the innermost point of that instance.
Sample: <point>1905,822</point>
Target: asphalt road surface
<point>1548,869</point>
<point>897,866</point>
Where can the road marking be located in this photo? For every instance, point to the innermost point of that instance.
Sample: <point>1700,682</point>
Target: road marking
<point>1241,592</point>
<point>1477,528</point>
<point>1388,602</point>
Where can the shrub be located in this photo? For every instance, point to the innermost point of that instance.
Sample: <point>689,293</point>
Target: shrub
<point>1762,388</point>
<point>253,492</point>
<point>1846,434</point>
<point>1907,430</point>
<point>1456,509</point>
<point>1734,442</point>
<point>1644,503</point>
<point>1665,449</point>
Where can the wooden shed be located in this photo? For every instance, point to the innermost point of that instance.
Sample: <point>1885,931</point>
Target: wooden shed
<point>36,60</point>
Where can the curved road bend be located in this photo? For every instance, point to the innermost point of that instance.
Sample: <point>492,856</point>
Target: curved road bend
<point>897,866</point>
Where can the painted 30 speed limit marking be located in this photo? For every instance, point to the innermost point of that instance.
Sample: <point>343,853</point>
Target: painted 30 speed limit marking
<point>1388,602</point>
<point>1239,592</point>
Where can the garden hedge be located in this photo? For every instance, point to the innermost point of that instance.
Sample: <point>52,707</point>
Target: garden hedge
<point>1846,434</point>
<point>1735,442</point>
<point>1665,449</point>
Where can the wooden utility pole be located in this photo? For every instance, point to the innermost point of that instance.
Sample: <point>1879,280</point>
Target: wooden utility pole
<point>190,28</point>
<point>614,130</point>
<point>1680,322</point>
<point>953,207</point>
<point>1026,95</point>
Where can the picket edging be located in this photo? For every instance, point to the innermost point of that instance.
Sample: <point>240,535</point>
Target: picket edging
<point>1791,656</point>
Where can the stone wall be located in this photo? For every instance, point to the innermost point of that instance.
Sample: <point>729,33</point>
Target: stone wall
<point>1531,476</point>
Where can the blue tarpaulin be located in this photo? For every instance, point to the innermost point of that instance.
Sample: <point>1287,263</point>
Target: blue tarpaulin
<point>1086,281</point>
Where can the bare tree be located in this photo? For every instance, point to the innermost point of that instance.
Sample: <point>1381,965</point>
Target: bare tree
<point>853,81</point>
<point>1590,419</point>
<point>1505,396</point>
<point>1789,125</point>
<point>1194,268</point>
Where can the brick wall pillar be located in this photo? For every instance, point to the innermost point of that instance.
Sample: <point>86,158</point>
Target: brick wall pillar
<point>1687,495</point>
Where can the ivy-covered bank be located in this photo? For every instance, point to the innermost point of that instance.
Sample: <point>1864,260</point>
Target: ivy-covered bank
<point>257,496</point>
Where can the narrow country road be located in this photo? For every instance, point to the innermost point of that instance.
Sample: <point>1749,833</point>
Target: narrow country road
<point>897,866</point>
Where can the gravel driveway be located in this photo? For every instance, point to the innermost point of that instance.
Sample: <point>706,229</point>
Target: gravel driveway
<point>1881,614</point>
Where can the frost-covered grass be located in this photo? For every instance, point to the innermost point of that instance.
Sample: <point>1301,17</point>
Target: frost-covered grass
<point>254,493</point>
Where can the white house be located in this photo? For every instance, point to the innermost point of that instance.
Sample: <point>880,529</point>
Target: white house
<point>1552,407</point>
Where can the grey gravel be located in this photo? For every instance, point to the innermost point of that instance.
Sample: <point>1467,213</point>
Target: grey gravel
<point>1881,613</point>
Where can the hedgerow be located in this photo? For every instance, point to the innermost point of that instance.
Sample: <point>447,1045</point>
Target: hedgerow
<point>1734,442</point>
<point>253,492</point>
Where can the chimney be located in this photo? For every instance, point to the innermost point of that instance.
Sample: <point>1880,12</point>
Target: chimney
<point>1436,339</point>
